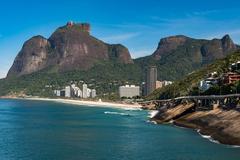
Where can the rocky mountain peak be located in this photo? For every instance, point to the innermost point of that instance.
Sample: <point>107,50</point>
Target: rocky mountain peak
<point>70,47</point>
<point>228,43</point>
<point>169,44</point>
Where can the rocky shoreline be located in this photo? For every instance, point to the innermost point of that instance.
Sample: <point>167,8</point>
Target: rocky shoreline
<point>221,125</point>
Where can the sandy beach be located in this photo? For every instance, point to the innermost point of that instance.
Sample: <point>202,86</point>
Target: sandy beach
<point>86,103</point>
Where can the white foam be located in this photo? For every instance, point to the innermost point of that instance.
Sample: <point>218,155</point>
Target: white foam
<point>154,122</point>
<point>153,113</point>
<point>132,109</point>
<point>117,113</point>
<point>235,146</point>
<point>208,137</point>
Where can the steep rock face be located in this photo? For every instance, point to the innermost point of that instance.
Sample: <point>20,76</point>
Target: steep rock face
<point>120,53</point>
<point>178,56</point>
<point>70,47</point>
<point>217,48</point>
<point>32,57</point>
<point>75,49</point>
<point>209,49</point>
<point>166,45</point>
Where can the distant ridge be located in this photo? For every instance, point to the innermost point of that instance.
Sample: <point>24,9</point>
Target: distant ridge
<point>179,55</point>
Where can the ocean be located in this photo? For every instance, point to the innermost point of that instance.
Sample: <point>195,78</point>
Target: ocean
<point>40,130</point>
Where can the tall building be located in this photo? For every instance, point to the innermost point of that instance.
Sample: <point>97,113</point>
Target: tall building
<point>93,93</point>
<point>68,91</point>
<point>89,92</point>
<point>79,93</point>
<point>84,91</point>
<point>129,91</point>
<point>151,78</point>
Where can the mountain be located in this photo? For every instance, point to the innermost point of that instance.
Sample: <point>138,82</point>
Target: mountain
<point>70,47</point>
<point>179,55</point>
<point>72,54</point>
<point>188,84</point>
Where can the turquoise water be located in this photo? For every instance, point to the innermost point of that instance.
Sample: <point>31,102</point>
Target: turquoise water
<point>35,130</point>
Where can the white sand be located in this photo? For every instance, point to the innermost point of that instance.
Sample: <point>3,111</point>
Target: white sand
<point>90,103</point>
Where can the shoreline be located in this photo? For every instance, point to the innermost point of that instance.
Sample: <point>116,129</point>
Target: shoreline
<point>216,125</point>
<point>81,102</point>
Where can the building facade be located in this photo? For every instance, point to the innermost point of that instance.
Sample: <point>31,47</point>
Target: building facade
<point>151,78</point>
<point>129,91</point>
<point>93,93</point>
<point>231,77</point>
<point>84,91</point>
<point>68,91</point>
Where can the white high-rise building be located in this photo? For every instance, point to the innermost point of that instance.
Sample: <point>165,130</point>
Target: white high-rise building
<point>84,91</point>
<point>89,93</point>
<point>68,91</point>
<point>129,91</point>
<point>79,93</point>
<point>93,93</point>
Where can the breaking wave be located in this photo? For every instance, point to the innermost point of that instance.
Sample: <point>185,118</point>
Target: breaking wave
<point>153,113</point>
<point>117,113</point>
<point>132,109</point>
<point>215,141</point>
<point>153,122</point>
<point>207,137</point>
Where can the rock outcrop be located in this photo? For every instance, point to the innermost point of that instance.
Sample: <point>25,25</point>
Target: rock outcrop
<point>209,49</point>
<point>32,57</point>
<point>173,113</point>
<point>70,47</point>
<point>221,125</point>
<point>169,44</point>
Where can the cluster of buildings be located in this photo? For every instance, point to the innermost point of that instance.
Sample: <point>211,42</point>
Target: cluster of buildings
<point>151,83</point>
<point>72,91</point>
<point>230,77</point>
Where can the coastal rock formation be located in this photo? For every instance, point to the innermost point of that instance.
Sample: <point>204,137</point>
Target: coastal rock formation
<point>173,113</point>
<point>70,47</point>
<point>221,125</point>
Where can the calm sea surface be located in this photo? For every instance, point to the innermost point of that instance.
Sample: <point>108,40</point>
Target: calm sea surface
<point>36,130</point>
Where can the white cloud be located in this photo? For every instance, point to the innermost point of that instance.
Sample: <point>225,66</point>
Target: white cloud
<point>120,37</point>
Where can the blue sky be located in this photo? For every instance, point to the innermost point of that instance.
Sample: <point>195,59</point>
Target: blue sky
<point>138,24</point>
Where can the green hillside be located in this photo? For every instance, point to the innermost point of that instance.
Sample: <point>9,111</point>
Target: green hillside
<point>188,84</point>
<point>105,77</point>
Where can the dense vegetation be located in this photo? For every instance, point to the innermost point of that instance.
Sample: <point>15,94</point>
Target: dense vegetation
<point>105,77</point>
<point>188,85</point>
